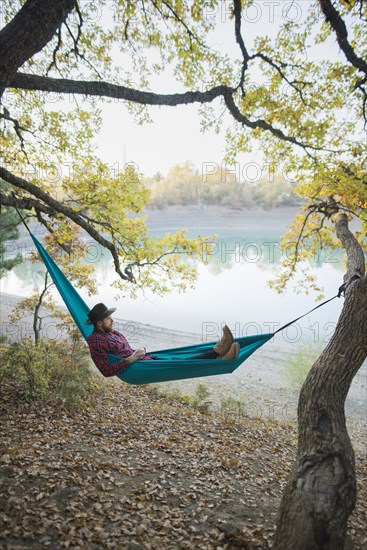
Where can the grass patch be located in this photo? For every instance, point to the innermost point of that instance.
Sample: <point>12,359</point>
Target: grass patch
<point>297,367</point>
<point>199,401</point>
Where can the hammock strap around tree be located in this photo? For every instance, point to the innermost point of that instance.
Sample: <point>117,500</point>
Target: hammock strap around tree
<point>340,293</point>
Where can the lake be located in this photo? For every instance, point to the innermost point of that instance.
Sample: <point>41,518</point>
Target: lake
<point>231,288</point>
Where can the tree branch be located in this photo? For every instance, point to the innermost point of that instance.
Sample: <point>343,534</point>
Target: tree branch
<point>57,207</point>
<point>75,50</point>
<point>278,68</point>
<point>104,89</point>
<point>46,204</point>
<point>236,113</point>
<point>360,86</point>
<point>190,34</point>
<point>237,8</point>
<point>355,257</point>
<point>336,22</point>
<point>53,63</point>
<point>24,203</point>
<point>37,326</point>
<point>18,129</point>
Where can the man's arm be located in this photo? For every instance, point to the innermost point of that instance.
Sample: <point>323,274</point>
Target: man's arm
<point>98,348</point>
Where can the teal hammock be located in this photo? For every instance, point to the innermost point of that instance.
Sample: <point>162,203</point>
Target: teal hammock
<point>172,364</point>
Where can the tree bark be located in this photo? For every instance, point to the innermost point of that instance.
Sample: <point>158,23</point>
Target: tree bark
<point>37,320</point>
<point>321,490</point>
<point>33,26</point>
<point>26,81</point>
<point>339,27</point>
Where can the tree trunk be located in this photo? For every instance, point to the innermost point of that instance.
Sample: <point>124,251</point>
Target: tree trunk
<point>37,320</point>
<point>33,26</point>
<point>321,491</point>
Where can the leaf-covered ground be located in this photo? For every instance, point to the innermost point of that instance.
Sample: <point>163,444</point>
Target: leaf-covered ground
<point>145,471</point>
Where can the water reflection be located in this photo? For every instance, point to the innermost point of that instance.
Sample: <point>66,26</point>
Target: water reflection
<point>233,282</point>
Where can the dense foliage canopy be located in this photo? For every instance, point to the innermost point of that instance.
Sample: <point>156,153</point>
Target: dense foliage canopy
<point>298,91</point>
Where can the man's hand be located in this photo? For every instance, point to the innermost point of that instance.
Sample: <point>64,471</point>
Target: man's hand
<point>136,356</point>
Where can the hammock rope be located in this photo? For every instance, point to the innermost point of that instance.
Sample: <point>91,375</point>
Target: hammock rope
<point>172,364</point>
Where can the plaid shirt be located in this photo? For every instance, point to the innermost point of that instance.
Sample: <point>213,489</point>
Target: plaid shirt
<point>103,343</point>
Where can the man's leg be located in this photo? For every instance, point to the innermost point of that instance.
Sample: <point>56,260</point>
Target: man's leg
<point>224,344</point>
<point>211,354</point>
<point>221,349</point>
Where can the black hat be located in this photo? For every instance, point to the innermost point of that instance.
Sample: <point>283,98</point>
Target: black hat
<point>99,312</point>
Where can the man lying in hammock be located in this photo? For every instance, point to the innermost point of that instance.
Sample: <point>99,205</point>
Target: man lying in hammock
<point>104,340</point>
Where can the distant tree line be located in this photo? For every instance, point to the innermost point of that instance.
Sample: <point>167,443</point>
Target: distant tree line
<point>184,185</point>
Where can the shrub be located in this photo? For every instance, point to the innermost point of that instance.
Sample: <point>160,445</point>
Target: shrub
<point>52,371</point>
<point>198,401</point>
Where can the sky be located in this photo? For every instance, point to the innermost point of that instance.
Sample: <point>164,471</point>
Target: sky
<point>175,134</point>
